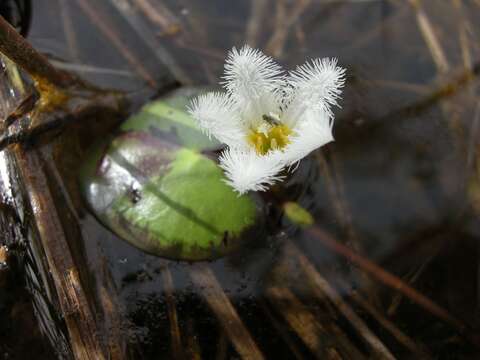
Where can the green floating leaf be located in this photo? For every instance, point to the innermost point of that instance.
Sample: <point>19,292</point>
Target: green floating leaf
<point>152,187</point>
<point>297,214</point>
<point>169,117</point>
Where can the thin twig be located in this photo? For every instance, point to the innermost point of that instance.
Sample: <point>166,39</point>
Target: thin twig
<point>334,185</point>
<point>430,38</point>
<point>386,278</point>
<point>328,312</point>
<point>463,26</point>
<point>300,36</point>
<point>139,26</point>
<point>45,122</point>
<point>175,337</point>
<point>320,285</point>
<point>226,314</point>
<point>106,28</point>
<point>112,315</point>
<point>15,47</point>
<point>72,294</point>
<point>284,21</point>
<point>282,331</point>
<point>255,21</point>
<point>397,333</point>
<point>192,349</point>
<point>397,298</point>
<point>443,91</point>
<point>442,65</point>
<point>3,254</point>
<point>196,32</point>
<point>69,30</point>
<point>82,68</point>
<point>303,322</point>
<point>161,16</point>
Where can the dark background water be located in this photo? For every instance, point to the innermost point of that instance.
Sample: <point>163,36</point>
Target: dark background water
<point>400,184</point>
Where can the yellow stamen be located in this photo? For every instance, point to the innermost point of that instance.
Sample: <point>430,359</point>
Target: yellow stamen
<point>275,138</point>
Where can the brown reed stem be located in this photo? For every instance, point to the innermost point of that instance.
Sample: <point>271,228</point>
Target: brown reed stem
<point>387,324</point>
<point>15,47</point>
<point>102,23</point>
<point>204,278</point>
<point>175,336</point>
<point>321,287</point>
<point>389,280</point>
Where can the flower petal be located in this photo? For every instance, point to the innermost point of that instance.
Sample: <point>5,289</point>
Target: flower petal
<point>254,81</point>
<point>314,131</point>
<point>314,85</point>
<point>246,170</point>
<point>217,115</point>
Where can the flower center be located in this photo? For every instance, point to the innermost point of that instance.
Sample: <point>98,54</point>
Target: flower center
<point>269,136</point>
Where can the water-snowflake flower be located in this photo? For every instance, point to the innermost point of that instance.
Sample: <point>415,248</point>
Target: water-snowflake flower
<point>269,120</point>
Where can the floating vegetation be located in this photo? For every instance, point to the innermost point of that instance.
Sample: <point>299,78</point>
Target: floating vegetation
<point>268,120</point>
<point>155,186</point>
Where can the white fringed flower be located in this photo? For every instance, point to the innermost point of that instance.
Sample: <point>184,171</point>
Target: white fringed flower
<point>269,120</point>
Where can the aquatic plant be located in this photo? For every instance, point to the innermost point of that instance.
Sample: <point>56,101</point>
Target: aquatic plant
<point>269,120</point>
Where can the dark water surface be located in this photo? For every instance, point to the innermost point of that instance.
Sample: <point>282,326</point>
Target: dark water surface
<point>400,185</point>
